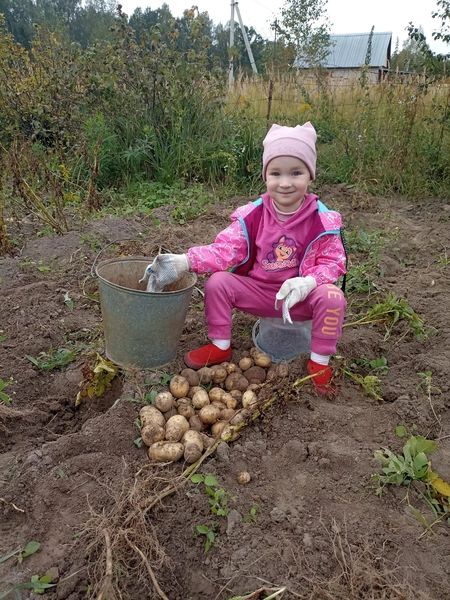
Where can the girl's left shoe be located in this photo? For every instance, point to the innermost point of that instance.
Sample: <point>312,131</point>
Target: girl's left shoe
<point>323,378</point>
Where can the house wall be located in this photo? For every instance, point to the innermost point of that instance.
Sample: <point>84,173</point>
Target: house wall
<point>337,77</point>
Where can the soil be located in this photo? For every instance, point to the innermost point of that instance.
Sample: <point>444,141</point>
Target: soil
<point>73,479</point>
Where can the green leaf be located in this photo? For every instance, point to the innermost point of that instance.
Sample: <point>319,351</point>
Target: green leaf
<point>203,529</point>
<point>197,478</point>
<point>420,517</point>
<point>138,442</point>
<point>30,549</point>
<point>32,359</point>
<point>400,431</point>
<point>68,301</point>
<point>211,481</point>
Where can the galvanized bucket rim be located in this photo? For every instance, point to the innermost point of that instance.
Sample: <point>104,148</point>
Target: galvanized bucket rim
<point>133,290</point>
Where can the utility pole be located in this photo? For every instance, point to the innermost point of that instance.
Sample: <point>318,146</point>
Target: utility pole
<point>247,43</point>
<point>231,72</point>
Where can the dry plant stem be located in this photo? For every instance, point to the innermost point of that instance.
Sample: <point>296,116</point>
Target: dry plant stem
<point>12,504</point>
<point>161,594</point>
<point>107,586</point>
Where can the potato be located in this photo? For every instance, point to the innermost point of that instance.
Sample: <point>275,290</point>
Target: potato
<point>164,401</point>
<point>191,376</point>
<point>237,394</point>
<point>231,368</point>
<point>205,375</point>
<point>179,386</point>
<point>197,424</point>
<point>186,410</point>
<point>192,391</point>
<point>166,451</point>
<point>209,414</point>
<point>152,433</point>
<point>282,370</point>
<point>240,417</point>
<point>219,374</point>
<point>245,363</point>
<point>243,478</point>
<point>216,393</point>
<point>249,399</point>
<point>193,446</point>
<point>217,428</point>
<point>256,372</point>
<point>176,427</point>
<point>226,414</point>
<point>192,437</point>
<point>253,387</point>
<point>150,415</point>
<point>219,405</point>
<point>262,360</point>
<point>170,413</point>
<point>229,400</point>
<point>236,381</point>
<point>200,398</point>
<point>192,453</point>
<point>229,430</point>
<point>254,351</point>
<point>208,441</point>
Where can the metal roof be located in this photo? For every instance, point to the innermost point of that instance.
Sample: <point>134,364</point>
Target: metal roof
<point>348,50</point>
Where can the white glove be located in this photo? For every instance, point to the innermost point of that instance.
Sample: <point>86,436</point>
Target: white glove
<point>292,291</point>
<point>165,269</point>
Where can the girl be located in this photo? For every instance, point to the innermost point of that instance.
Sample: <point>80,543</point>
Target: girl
<point>284,248</point>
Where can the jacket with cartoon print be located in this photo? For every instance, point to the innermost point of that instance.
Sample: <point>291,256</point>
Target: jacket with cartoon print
<point>257,244</point>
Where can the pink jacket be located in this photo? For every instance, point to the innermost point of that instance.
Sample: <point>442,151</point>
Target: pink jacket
<point>313,234</point>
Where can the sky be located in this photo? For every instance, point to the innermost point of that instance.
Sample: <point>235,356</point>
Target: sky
<point>345,16</point>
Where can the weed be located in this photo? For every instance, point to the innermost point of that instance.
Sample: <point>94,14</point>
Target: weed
<point>68,301</point>
<point>3,337</point>
<point>4,397</point>
<point>425,382</point>
<point>413,465</point>
<point>98,374</point>
<point>209,533</point>
<point>38,585</point>
<point>389,312</point>
<point>218,497</point>
<point>22,553</point>
<point>54,359</point>
<point>376,364</point>
<point>252,515</point>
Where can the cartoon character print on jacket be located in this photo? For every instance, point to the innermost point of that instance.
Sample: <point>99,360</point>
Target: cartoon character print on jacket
<point>282,255</point>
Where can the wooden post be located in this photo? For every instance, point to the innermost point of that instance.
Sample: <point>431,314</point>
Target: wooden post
<point>269,102</point>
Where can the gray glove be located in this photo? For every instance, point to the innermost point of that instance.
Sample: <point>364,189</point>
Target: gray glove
<point>165,269</point>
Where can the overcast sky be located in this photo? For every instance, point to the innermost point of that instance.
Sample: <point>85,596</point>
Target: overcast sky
<point>345,16</point>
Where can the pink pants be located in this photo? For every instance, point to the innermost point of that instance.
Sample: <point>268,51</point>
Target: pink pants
<point>224,291</point>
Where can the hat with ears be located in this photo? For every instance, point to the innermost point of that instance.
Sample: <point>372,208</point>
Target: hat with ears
<point>298,141</point>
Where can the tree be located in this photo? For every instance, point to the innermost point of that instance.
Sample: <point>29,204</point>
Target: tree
<point>436,63</point>
<point>409,58</point>
<point>304,23</point>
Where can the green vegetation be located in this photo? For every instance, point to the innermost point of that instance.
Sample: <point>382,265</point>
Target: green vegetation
<point>414,466</point>
<point>4,397</point>
<point>101,110</point>
<point>54,359</point>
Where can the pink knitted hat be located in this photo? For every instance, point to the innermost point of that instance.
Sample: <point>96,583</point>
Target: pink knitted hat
<point>298,141</point>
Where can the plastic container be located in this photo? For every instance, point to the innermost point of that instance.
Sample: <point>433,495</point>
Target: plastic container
<point>282,341</point>
<point>142,329</point>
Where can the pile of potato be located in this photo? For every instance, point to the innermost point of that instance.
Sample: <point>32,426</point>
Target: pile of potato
<point>201,406</point>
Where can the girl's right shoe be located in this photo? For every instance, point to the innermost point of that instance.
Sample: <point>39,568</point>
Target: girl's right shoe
<point>206,356</point>
<point>323,378</point>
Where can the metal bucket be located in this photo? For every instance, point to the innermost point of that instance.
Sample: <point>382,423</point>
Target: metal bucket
<point>282,342</point>
<point>142,329</point>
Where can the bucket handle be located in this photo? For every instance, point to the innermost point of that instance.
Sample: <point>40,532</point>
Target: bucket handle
<point>104,248</point>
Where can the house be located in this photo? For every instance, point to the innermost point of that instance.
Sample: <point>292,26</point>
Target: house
<point>349,54</point>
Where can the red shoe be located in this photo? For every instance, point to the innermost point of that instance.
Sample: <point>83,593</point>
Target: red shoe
<point>323,378</point>
<point>206,356</point>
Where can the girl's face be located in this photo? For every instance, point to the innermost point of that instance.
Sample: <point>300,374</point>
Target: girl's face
<point>287,180</point>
